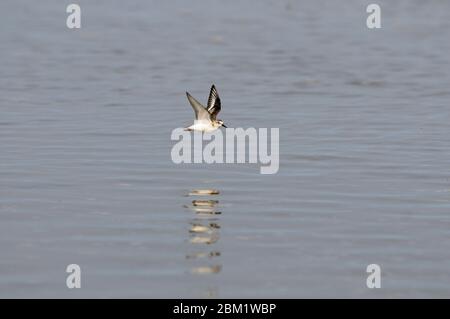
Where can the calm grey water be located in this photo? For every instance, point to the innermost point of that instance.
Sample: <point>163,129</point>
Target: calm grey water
<point>86,175</point>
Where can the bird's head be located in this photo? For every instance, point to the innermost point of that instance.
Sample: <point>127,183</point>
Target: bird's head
<point>220,122</point>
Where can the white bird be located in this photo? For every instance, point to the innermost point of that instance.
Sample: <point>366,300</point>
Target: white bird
<point>206,118</point>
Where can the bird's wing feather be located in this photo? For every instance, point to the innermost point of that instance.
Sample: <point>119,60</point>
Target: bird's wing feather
<point>213,106</point>
<point>200,112</point>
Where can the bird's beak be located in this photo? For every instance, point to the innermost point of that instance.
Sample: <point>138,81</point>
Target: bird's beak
<point>224,125</point>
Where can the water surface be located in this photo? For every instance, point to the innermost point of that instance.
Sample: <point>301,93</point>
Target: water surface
<point>86,175</point>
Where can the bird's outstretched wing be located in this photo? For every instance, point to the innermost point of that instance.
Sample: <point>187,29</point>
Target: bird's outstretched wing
<point>213,106</point>
<point>201,113</point>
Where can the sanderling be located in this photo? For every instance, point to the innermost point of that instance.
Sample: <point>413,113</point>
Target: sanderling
<point>205,118</point>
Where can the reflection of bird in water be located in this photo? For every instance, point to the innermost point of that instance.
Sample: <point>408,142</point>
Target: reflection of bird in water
<point>207,269</point>
<point>208,240</point>
<point>204,192</point>
<point>203,255</point>
<point>203,211</point>
<point>208,203</point>
<point>199,228</point>
<point>204,230</point>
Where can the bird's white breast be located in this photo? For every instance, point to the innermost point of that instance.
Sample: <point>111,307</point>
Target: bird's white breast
<point>202,126</point>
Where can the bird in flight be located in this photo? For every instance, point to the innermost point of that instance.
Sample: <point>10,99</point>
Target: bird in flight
<point>206,117</point>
